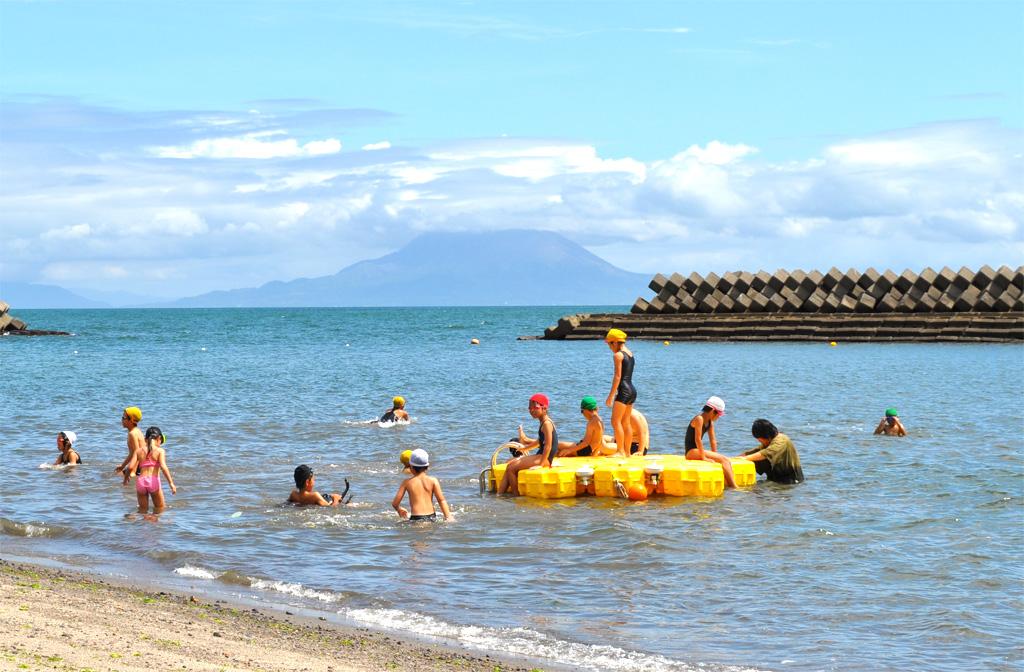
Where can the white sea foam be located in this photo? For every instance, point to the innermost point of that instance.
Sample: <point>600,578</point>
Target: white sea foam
<point>396,423</point>
<point>296,589</point>
<point>520,641</point>
<point>57,467</point>
<point>360,423</point>
<point>195,572</point>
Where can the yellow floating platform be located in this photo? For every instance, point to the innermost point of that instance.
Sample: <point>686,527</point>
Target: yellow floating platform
<point>671,475</point>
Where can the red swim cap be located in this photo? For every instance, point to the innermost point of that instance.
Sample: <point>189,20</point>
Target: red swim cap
<point>540,400</point>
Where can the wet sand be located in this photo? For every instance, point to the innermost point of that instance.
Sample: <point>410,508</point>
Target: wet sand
<point>53,619</point>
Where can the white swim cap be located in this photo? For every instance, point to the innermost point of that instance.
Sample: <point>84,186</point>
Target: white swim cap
<point>716,403</point>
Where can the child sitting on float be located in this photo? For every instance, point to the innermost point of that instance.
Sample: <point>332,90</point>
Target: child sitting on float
<point>546,443</point>
<point>594,442</point>
<point>704,423</point>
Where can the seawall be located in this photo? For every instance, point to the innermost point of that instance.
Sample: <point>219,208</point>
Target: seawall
<point>983,305</point>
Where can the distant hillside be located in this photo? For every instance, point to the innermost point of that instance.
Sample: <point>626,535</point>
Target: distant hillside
<point>27,295</point>
<point>513,267</point>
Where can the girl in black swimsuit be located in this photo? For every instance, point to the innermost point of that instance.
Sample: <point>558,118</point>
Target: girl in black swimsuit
<point>623,394</point>
<point>68,455</point>
<point>546,444</point>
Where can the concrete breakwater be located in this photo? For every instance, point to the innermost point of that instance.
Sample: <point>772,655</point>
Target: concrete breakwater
<point>12,326</point>
<point>986,305</point>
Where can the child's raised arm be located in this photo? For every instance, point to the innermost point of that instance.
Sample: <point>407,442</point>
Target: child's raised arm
<point>525,440</point>
<point>396,503</point>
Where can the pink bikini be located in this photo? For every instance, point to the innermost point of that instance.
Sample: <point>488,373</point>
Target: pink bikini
<point>148,485</point>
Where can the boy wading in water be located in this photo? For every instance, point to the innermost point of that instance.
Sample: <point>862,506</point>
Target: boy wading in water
<point>130,419</point>
<point>422,491</point>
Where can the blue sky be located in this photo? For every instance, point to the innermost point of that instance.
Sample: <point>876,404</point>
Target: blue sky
<point>257,141</point>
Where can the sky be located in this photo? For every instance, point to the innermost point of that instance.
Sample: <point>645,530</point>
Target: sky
<point>172,148</point>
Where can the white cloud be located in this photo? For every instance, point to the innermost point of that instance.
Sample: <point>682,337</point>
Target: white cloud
<point>715,153</point>
<point>248,146</point>
<point>682,30</point>
<point>75,231</point>
<point>290,182</point>
<point>906,198</point>
<point>373,146</point>
<point>171,221</point>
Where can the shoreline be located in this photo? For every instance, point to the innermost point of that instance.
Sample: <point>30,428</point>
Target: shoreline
<point>62,619</point>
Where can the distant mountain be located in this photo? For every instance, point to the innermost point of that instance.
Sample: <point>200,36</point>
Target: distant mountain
<point>27,295</point>
<point>512,267</point>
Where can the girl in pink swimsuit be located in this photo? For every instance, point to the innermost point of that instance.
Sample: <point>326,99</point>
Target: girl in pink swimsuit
<point>150,461</point>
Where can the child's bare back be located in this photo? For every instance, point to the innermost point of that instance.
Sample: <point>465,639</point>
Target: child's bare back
<point>422,490</point>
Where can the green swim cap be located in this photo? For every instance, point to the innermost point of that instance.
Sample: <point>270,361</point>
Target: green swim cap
<point>588,403</point>
<point>891,412</point>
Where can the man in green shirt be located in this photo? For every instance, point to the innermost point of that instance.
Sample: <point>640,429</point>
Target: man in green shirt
<point>776,457</point>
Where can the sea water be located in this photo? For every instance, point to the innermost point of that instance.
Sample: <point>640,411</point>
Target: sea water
<point>895,554</point>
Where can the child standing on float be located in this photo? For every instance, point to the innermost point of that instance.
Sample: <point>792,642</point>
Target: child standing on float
<point>623,394</point>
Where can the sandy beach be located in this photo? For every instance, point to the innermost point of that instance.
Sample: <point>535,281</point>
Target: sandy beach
<point>53,619</point>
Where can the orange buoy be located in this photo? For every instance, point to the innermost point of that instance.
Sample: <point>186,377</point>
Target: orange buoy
<point>637,492</point>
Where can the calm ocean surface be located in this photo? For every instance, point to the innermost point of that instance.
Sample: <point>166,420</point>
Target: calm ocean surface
<point>895,554</point>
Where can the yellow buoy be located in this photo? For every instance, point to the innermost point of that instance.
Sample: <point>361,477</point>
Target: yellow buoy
<point>833,344</point>
<point>474,341</point>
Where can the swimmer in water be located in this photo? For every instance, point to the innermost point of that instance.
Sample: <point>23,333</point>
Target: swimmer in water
<point>423,490</point>
<point>404,459</point>
<point>546,444</point>
<point>641,433</point>
<point>304,495</point>
<point>130,419</point>
<point>593,443</point>
<point>68,455</point>
<point>397,412</point>
<point>622,394</point>
<point>704,423</point>
<point>891,425</point>
<point>151,460</point>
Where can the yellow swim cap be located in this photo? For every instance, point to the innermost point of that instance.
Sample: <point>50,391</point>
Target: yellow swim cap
<point>134,412</point>
<point>405,457</point>
<point>615,336</point>
<point>398,401</point>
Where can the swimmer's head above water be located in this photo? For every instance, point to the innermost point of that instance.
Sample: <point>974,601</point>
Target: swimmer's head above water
<point>405,457</point>
<point>303,473</point>
<point>398,402</point>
